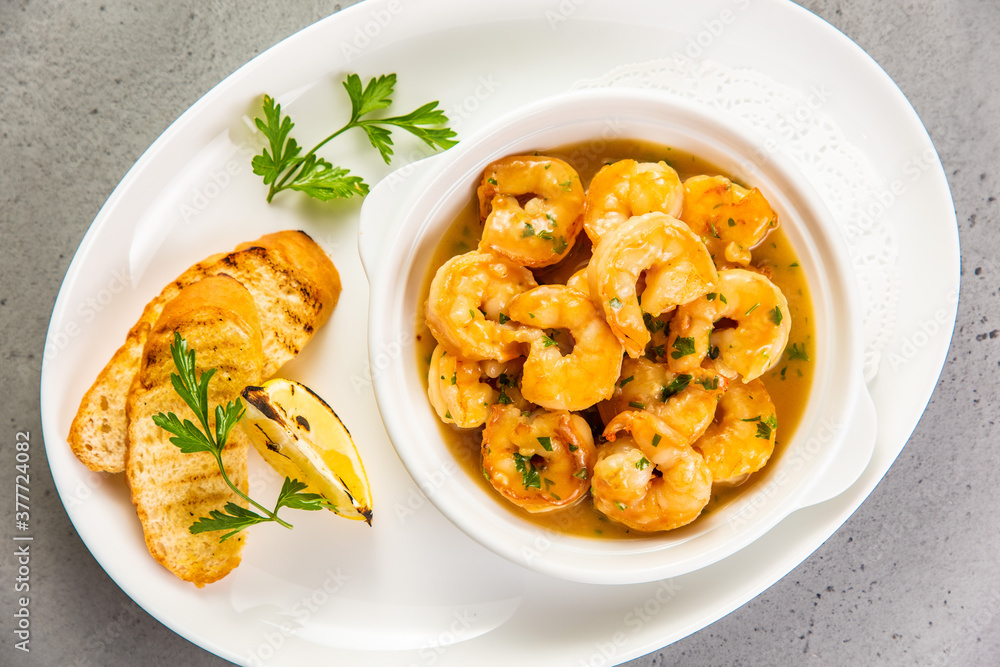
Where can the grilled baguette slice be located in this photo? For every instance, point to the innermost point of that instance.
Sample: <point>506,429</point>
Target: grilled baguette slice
<point>171,490</point>
<point>295,287</point>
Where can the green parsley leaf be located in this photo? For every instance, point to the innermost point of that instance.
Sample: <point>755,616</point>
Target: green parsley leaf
<point>775,315</point>
<point>642,463</point>
<point>709,384</point>
<point>637,405</point>
<point>546,443</point>
<point>615,303</point>
<point>682,346</point>
<point>503,319</point>
<point>530,478</point>
<point>232,518</point>
<point>282,166</point>
<point>677,385</point>
<point>795,351</point>
<point>656,440</point>
<point>190,439</point>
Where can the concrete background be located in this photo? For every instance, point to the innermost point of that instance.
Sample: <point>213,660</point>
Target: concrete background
<point>925,596</point>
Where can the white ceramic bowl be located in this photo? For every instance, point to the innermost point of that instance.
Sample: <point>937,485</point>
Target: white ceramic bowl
<point>402,222</point>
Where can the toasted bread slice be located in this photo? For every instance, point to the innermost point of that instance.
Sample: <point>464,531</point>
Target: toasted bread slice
<point>295,287</point>
<point>170,489</point>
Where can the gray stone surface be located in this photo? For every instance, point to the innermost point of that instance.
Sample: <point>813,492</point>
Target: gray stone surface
<point>912,577</point>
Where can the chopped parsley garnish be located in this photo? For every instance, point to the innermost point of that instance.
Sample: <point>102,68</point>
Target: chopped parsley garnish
<point>709,384</point>
<point>775,315</point>
<point>625,381</point>
<point>637,405</point>
<point>752,308</point>
<point>653,324</point>
<point>581,473</point>
<point>642,463</point>
<point>491,180</point>
<point>547,342</point>
<point>732,223</point>
<point>683,346</point>
<point>546,443</point>
<point>656,440</point>
<point>503,319</point>
<point>794,351</point>
<point>528,230</point>
<point>615,303</point>
<point>677,385</point>
<point>765,427</point>
<point>530,478</point>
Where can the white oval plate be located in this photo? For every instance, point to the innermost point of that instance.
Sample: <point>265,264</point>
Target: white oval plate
<point>413,589</point>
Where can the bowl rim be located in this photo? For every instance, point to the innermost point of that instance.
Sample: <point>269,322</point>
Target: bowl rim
<point>432,188</point>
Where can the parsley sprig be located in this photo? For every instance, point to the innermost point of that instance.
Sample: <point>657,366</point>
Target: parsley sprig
<point>283,166</point>
<point>192,439</point>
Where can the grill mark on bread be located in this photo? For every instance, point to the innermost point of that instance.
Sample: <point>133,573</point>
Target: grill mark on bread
<point>296,288</point>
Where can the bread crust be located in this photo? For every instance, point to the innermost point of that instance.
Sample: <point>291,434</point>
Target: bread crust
<point>218,318</point>
<point>292,281</point>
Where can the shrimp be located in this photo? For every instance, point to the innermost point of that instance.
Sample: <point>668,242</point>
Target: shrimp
<point>674,262</point>
<point>684,401</point>
<point>540,461</point>
<point>466,300</point>
<point>627,188</point>
<point>731,218</point>
<point>578,281</point>
<point>752,346</point>
<point>455,390</point>
<point>740,440</point>
<point>625,487</point>
<point>583,376</point>
<point>543,229</point>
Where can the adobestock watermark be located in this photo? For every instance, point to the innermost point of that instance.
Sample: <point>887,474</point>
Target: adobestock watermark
<point>788,125</point>
<point>220,177</point>
<point>712,31</point>
<point>461,628</point>
<point>606,651</point>
<point>878,204</point>
<point>377,364</point>
<point>415,500</point>
<point>367,32</point>
<point>928,330</point>
<point>298,615</point>
<point>483,89</point>
<point>562,12</point>
<point>85,311</point>
<point>592,155</point>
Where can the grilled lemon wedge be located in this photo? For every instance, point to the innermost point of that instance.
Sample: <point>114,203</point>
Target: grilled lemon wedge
<point>301,437</point>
